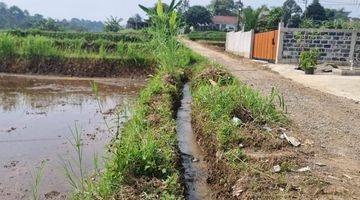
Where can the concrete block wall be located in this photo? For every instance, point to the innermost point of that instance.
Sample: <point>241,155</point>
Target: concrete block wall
<point>240,43</point>
<point>337,46</point>
<point>357,50</point>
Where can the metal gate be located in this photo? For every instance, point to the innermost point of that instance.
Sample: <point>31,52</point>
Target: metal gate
<point>265,45</point>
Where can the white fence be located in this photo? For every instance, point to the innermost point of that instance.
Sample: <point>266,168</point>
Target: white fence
<point>240,43</point>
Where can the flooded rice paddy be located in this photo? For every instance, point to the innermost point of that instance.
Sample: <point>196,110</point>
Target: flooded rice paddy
<point>36,115</point>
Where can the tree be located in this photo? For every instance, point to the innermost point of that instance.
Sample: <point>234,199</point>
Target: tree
<point>334,14</point>
<point>135,22</point>
<point>113,24</point>
<point>251,17</point>
<point>223,7</point>
<point>197,15</point>
<point>273,19</point>
<point>239,7</point>
<point>50,25</point>
<point>15,18</point>
<point>315,12</point>
<point>292,13</point>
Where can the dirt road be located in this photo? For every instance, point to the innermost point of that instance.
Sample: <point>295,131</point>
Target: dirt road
<point>329,125</point>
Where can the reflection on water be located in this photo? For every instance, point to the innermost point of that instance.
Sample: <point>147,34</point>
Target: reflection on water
<point>35,120</point>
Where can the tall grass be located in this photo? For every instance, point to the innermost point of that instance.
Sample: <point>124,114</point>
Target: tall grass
<point>7,46</point>
<point>35,47</point>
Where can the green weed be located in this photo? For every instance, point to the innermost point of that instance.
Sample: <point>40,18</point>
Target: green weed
<point>8,46</point>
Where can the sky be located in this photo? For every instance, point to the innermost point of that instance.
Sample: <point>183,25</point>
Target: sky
<point>101,9</point>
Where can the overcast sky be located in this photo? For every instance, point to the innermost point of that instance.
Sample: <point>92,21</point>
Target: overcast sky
<point>101,9</point>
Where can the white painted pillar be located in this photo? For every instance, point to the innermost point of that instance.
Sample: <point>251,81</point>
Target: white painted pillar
<point>280,44</point>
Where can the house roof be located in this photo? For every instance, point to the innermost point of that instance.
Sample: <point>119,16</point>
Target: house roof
<point>225,20</point>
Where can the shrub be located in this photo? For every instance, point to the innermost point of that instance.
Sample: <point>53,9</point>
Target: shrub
<point>35,47</point>
<point>308,59</point>
<point>7,46</point>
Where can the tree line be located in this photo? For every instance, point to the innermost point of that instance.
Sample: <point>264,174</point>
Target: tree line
<point>265,18</point>
<point>15,18</point>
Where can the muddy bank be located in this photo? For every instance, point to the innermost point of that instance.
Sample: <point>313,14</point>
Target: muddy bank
<point>36,115</point>
<point>81,67</point>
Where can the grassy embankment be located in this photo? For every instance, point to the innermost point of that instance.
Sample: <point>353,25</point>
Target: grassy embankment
<point>240,130</point>
<point>144,162</point>
<point>79,54</point>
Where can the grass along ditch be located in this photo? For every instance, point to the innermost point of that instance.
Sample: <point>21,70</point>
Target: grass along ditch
<point>240,132</point>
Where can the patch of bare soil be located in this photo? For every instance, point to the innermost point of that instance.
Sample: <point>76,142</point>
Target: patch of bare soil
<point>327,126</point>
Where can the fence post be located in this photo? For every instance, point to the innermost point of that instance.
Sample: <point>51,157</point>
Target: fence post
<point>252,32</point>
<point>279,47</point>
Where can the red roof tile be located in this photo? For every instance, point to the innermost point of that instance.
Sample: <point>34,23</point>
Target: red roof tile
<point>225,20</point>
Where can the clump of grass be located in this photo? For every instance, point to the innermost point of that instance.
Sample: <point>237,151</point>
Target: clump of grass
<point>35,187</point>
<point>7,46</point>
<point>36,47</point>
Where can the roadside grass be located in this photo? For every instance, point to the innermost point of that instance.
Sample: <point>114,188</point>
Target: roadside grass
<point>239,130</point>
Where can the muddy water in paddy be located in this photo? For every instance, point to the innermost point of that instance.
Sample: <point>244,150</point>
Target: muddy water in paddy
<point>36,114</point>
<point>192,157</point>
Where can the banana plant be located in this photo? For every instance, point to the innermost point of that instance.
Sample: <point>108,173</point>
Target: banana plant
<point>160,8</point>
<point>164,18</point>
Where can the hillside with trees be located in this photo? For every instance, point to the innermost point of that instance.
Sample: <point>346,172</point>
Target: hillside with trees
<point>15,18</point>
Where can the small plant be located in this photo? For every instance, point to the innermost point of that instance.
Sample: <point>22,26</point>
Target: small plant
<point>35,187</point>
<point>308,61</point>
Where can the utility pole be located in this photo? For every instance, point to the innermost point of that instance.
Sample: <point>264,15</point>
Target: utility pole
<point>306,3</point>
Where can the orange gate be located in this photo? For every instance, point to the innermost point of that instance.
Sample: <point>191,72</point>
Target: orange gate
<point>265,45</point>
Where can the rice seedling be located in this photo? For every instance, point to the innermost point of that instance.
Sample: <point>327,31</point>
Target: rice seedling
<point>35,187</point>
<point>74,168</point>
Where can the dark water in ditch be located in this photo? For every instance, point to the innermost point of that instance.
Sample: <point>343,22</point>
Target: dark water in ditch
<point>192,157</point>
<point>36,114</point>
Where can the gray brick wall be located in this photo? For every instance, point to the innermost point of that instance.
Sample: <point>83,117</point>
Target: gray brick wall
<point>333,45</point>
<point>357,50</point>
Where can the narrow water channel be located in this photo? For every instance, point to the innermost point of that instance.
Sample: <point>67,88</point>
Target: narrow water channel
<point>192,157</point>
<point>36,114</point>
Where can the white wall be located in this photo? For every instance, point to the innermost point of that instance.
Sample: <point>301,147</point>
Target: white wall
<point>240,43</point>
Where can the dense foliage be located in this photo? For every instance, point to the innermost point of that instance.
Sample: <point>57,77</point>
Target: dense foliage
<point>197,15</point>
<point>16,18</point>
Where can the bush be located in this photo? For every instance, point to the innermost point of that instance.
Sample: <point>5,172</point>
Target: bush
<point>308,59</point>
<point>7,46</point>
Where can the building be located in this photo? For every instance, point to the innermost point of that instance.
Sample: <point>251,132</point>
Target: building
<point>225,23</point>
